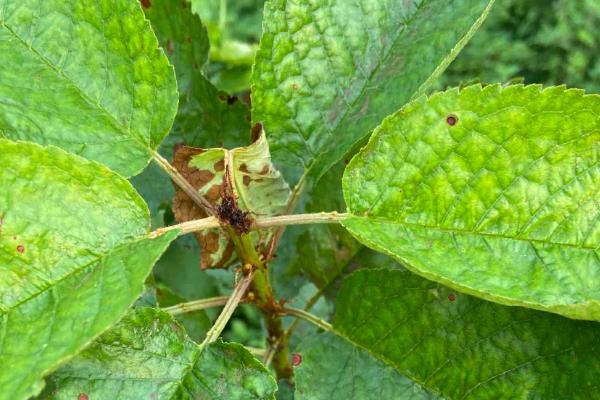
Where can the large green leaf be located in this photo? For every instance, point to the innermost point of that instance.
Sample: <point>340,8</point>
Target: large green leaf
<point>328,71</point>
<point>72,258</point>
<point>331,368</point>
<point>148,356</point>
<point>85,77</point>
<point>465,348</point>
<point>502,204</point>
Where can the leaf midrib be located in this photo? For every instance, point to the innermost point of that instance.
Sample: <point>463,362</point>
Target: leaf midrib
<point>381,220</point>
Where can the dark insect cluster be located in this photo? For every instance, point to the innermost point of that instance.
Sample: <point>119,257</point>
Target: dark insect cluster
<point>228,211</point>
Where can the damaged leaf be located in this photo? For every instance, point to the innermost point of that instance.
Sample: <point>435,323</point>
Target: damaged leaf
<point>256,187</point>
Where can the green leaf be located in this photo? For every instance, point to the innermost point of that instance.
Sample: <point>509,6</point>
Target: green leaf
<point>148,356</point>
<point>331,368</point>
<point>465,348</point>
<point>503,204</point>
<point>85,77</point>
<point>196,323</point>
<point>258,186</point>
<point>328,71</point>
<point>72,258</point>
<point>244,376</point>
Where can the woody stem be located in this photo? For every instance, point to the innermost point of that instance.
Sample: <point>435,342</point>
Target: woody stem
<point>265,301</point>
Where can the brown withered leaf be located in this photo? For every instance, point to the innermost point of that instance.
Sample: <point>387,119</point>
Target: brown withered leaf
<point>217,250</point>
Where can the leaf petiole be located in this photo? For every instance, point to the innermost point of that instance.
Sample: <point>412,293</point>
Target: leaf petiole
<point>265,222</point>
<point>196,305</point>
<point>183,183</point>
<point>305,315</point>
<point>230,306</point>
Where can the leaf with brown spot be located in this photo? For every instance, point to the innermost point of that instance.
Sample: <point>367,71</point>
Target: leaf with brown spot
<point>256,186</point>
<point>217,250</point>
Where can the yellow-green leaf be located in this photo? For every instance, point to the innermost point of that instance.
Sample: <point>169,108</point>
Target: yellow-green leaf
<point>87,77</point>
<point>73,257</point>
<point>493,191</point>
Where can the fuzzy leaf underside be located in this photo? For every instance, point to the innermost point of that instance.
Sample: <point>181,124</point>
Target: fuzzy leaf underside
<point>328,71</point>
<point>492,191</point>
<point>462,347</point>
<point>73,258</point>
<point>88,78</point>
<point>148,356</point>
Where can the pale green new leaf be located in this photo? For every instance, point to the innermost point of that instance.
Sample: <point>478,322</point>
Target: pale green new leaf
<point>331,368</point>
<point>87,77</point>
<point>503,204</point>
<point>73,258</point>
<point>465,348</point>
<point>148,356</point>
<point>257,185</point>
<point>328,71</point>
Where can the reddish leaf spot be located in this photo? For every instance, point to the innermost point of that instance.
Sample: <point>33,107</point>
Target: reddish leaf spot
<point>246,180</point>
<point>296,359</point>
<point>21,248</point>
<point>145,4</point>
<point>83,396</point>
<point>451,297</point>
<point>451,120</point>
<point>231,99</point>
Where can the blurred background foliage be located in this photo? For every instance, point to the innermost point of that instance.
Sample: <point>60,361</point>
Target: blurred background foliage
<point>234,28</point>
<point>543,41</point>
